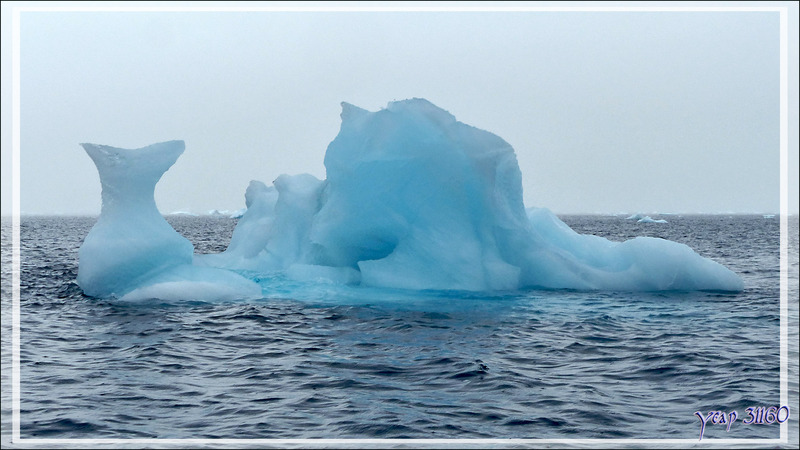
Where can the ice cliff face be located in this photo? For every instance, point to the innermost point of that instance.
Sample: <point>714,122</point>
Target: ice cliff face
<point>413,199</point>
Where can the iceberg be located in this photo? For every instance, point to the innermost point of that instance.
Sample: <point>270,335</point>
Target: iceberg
<point>413,199</point>
<point>237,214</point>
<point>648,219</point>
<point>132,251</point>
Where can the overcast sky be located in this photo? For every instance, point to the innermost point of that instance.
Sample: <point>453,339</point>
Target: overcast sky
<point>609,112</point>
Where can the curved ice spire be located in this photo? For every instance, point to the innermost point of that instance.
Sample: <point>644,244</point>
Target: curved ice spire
<point>129,176</point>
<point>132,253</point>
<point>131,241</point>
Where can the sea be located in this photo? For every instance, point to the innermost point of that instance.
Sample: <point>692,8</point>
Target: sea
<point>319,362</point>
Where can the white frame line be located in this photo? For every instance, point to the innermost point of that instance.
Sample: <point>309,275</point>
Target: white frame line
<point>784,209</point>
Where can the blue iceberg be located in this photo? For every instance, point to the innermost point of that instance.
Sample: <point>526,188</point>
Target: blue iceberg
<point>413,199</point>
<point>131,252</point>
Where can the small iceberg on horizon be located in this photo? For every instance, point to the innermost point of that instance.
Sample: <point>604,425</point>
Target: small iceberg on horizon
<point>642,218</point>
<point>648,219</point>
<point>237,214</point>
<point>637,216</point>
<point>413,199</point>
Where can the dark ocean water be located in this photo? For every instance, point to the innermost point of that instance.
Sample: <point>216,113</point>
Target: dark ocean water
<point>393,364</point>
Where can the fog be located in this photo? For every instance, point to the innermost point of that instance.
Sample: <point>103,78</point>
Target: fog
<point>609,112</point>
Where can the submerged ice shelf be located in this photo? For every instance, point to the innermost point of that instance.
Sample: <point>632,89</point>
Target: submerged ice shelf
<point>413,199</point>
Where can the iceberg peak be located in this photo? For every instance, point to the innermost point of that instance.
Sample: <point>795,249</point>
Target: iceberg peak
<point>422,108</point>
<point>350,111</point>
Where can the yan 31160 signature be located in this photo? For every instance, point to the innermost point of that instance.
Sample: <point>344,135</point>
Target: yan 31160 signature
<point>754,415</point>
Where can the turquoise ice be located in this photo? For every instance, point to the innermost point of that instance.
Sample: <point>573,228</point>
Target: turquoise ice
<point>413,199</point>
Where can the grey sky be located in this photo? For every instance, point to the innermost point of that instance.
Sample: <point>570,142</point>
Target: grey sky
<point>608,111</point>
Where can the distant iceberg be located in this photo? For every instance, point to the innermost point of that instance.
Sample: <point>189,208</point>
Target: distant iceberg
<point>237,214</point>
<point>641,218</point>
<point>648,219</point>
<point>413,199</point>
<point>637,216</point>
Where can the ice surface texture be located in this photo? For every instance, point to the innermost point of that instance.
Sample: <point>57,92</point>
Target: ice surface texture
<point>413,199</point>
